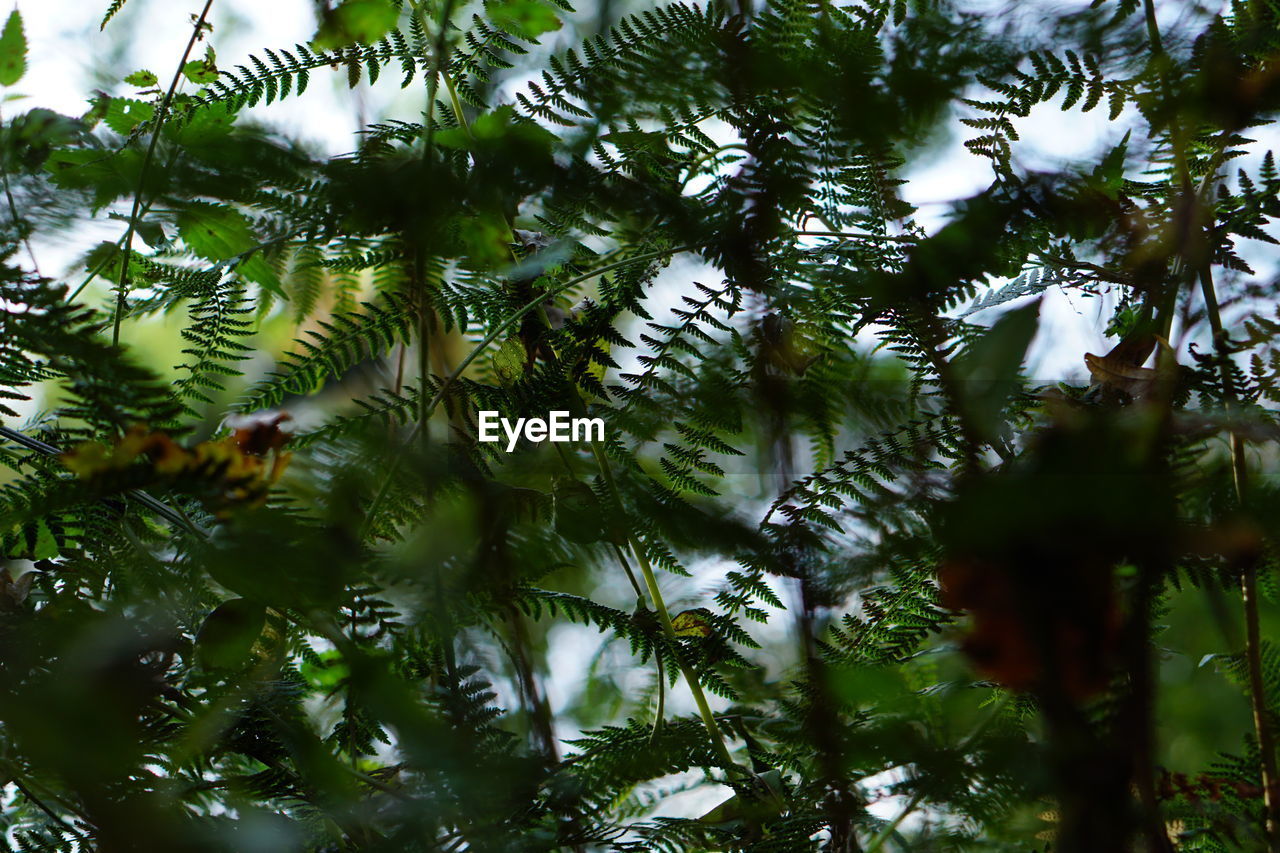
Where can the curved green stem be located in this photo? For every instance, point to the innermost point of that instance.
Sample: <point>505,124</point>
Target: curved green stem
<point>707,155</point>
<point>101,265</point>
<point>664,617</point>
<point>456,103</point>
<point>626,567</point>
<point>659,713</point>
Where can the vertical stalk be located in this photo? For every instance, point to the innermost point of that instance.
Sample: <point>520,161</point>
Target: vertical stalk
<point>536,704</point>
<point>662,676</point>
<point>437,67</point>
<point>1153,28</point>
<point>1248,584</point>
<point>626,567</point>
<point>664,617</point>
<point>423,307</point>
<point>437,64</point>
<point>1185,267</point>
<point>122,290</point>
<point>690,677</point>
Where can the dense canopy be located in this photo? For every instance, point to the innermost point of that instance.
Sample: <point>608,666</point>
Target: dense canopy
<point>844,558</point>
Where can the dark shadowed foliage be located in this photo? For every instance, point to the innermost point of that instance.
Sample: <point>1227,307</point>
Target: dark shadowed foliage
<point>846,572</point>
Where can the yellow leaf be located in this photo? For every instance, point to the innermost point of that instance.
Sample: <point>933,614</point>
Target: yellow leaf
<point>690,623</point>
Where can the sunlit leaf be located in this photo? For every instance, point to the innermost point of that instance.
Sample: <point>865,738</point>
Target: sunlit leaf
<point>13,50</point>
<point>354,22</point>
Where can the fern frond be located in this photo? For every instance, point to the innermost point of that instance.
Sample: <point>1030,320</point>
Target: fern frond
<point>343,342</point>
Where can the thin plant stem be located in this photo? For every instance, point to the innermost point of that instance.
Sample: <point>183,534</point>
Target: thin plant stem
<point>708,155</point>
<point>888,831</point>
<point>626,567</point>
<point>13,214</point>
<point>437,67</point>
<point>662,676</point>
<point>659,712</point>
<point>93,273</point>
<point>1153,28</point>
<point>664,618</point>
<point>1248,583</point>
<point>26,791</point>
<point>122,289</point>
<point>456,103</point>
<point>437,63</point>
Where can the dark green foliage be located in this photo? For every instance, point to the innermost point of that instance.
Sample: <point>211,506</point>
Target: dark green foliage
<point>854,577</point>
